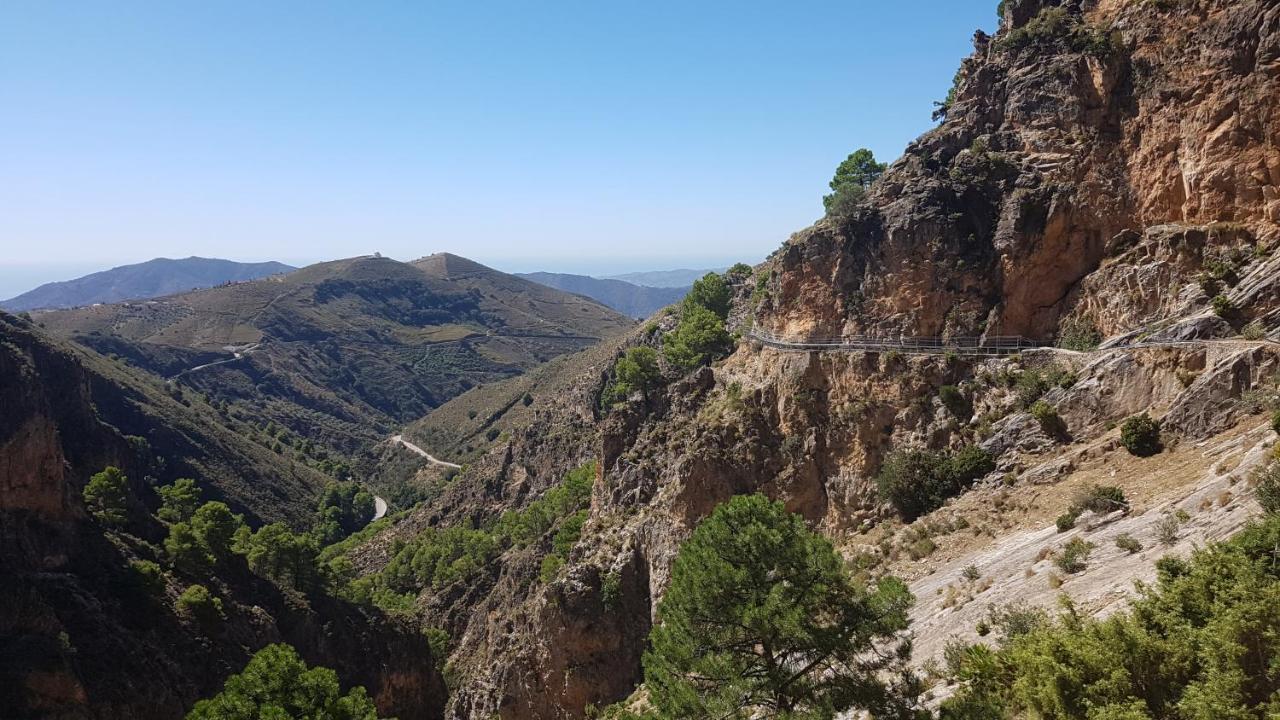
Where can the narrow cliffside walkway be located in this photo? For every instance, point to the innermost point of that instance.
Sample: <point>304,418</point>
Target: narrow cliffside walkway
<point>990,346</point>
<point>903,344</point>
<point>430,458</point>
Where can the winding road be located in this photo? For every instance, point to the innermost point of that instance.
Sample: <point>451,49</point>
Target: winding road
<point>236,354</point>
<point>379,507</point>
<point>430,458</point>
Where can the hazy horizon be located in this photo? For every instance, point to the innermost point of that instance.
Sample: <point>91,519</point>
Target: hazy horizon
<point>18,278</point>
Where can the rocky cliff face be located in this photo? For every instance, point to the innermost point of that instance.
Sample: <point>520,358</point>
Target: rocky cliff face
<point>79,637</point>
<point>1075,134</point>
<point>1107,171</point>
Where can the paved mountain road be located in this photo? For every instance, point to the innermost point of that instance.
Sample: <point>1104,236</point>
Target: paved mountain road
<point>430,458</point>
<point>236,354</point>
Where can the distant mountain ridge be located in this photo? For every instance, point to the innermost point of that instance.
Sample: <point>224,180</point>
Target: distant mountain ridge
<point>682,277</point>
<point>153,278</point>
<point>637,301</point>
<point>345,352</point>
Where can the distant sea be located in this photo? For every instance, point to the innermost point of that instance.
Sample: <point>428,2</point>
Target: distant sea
<point>17,279</point>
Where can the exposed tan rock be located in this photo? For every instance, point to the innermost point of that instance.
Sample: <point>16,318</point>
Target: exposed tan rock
<point>1003,219</point>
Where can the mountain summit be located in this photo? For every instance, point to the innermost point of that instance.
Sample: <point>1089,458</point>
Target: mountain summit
<point>153,278</point>
<point>343,352</point>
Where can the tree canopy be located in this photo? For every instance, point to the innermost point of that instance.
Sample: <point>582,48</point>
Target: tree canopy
<point>107,496</point>
<point>636,371</point>
<point>711,292</point>
<point>178,501</point>
<point>699,337</point>
<point>277,552</point>
<point>853,176</point>
<point>278,685</point>
<point>344,508</point>
<point>215,526</point>
<point>762,620</point>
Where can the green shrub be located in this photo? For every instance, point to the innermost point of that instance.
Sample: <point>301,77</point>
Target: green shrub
<point>1267,490</point>
<point>943,106</point>
<point>918,481</point>
<point>611,590</point>
<point>438,641</point>
<point>1202,642</point>
<point>1067,520</point>
<point>1275,422</point>
<point>1060,377</point>
<point>1140,435</point>
<point>1102,499</point>
<point>1015,620</point>
<point>955,402</point>
<point>1079,334</point>
<point>551,565</point>
<point>147,576</point>
<point>107,496</point>
<point>1029,386</point>
<point>1128,543</point>
<point>1055,26</point>
<point>970,463</point>
<point>197,603</point>
<point>1074,556</point>
<point>1223,307</point>
<point>1167,528</point>
<point>1253,331</point>
<point>1047,416</point>
<point>277,684</point>
<point>921,548</point>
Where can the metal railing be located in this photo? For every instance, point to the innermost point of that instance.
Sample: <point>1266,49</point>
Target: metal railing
<point>992,345</point>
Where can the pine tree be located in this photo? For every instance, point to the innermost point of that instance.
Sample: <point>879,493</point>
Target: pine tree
<point>762,620</point>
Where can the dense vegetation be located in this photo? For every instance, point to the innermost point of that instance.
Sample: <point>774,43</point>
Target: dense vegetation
<point>438,557</point>
<point>277,684</point>
<point>344,508</point>
<point>701,335</point>
<point>1203,643</point>
<point>918,481</point>
<point>763,620</point>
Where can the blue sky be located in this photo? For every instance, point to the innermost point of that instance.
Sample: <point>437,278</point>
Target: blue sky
<point>578,136</point>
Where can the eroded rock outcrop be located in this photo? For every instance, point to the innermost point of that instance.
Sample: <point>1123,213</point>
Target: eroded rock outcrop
<point>1067,143</point>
